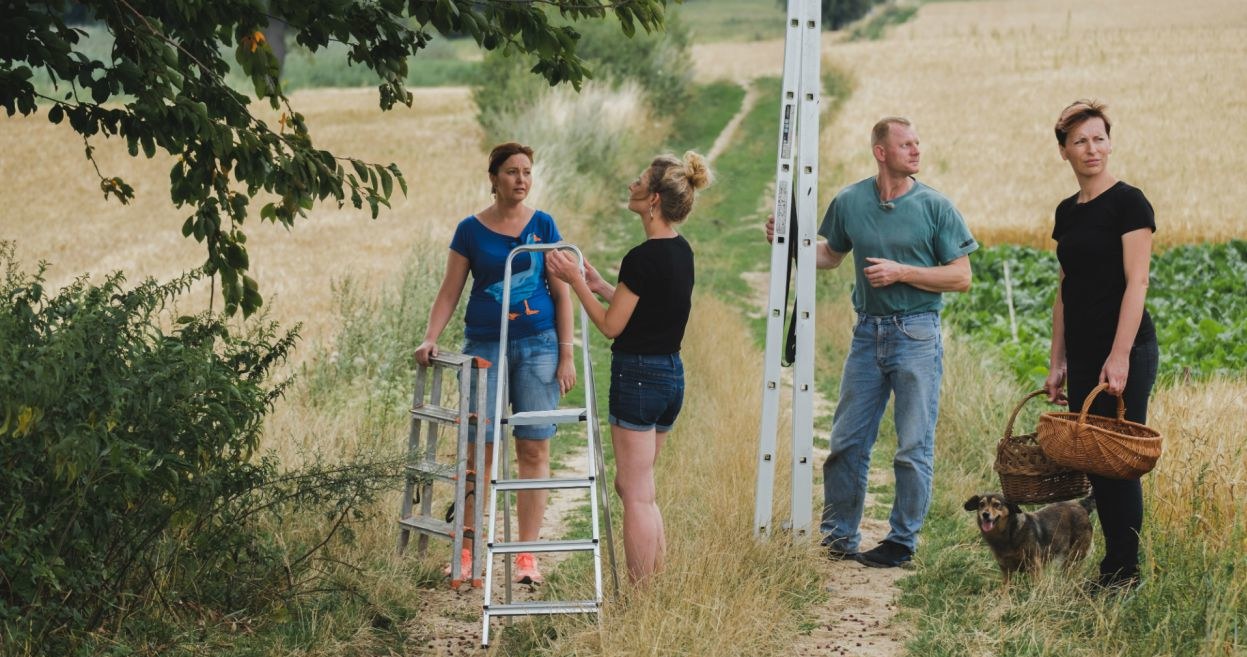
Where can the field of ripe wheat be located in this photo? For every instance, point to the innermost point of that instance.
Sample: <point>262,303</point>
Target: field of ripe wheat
<point>984,82</point>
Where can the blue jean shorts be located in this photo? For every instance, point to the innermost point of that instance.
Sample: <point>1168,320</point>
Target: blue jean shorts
<point>532,363</point>
<point>647,391</point>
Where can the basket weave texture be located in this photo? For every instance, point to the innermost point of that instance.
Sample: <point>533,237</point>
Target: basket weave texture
<point>1027,475</point>
<point>1109,447</point>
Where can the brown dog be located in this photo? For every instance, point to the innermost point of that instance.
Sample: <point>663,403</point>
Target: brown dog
<point>1023,541</point>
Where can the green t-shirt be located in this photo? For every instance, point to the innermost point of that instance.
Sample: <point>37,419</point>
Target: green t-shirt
<point>920,228</point>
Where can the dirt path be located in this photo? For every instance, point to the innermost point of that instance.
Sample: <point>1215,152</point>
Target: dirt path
<point>449,622</point>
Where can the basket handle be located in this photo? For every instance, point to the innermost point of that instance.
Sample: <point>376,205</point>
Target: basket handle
<point>1086,404</point>
<point>1018,409</point>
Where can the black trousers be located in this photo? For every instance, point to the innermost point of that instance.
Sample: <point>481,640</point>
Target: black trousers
<point>1119,502</point>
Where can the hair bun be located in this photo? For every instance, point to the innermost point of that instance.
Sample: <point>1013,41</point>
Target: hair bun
<point>697,170</point>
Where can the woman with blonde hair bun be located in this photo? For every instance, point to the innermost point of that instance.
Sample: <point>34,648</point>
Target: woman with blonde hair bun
<point>648,312</point>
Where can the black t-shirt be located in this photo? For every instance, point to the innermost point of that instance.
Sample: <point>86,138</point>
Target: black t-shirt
<point>1088,239</point>
<point>660,272</point>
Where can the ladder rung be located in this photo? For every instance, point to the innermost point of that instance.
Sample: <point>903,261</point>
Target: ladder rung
<point>442,471</point>
<point>579,545</point>
<point>436,413</point>
<point>542,484</point>
<point>428,526</point>
<point>534,608</point>
<point>450,359</point>
<point>555,416</point>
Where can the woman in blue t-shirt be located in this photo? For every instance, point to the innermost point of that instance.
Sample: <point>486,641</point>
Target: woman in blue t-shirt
<point>540,363</point>
<point>648,311</point>
<point>1101,332</point>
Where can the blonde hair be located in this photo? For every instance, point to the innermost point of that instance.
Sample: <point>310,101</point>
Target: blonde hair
<point>675,181</point>
<point>1077,112</point>
<point>884,127</point>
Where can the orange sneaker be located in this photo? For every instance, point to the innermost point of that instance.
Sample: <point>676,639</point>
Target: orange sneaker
<point>465,565</point>
<point>526,571</point>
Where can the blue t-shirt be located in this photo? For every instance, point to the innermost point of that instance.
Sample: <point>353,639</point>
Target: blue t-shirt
<point>921,228</point>
<point>532,308</point>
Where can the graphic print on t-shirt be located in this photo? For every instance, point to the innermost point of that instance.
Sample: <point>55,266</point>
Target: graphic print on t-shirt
<point>523,284</point>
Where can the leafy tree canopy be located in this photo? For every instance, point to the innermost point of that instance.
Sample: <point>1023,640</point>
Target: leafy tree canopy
<point>163,89</point>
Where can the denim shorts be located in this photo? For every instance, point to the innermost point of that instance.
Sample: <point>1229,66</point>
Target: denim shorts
<point>647,391</point>
<point>532,363</point>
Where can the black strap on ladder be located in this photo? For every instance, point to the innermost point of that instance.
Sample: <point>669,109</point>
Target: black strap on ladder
<point>790,340</point>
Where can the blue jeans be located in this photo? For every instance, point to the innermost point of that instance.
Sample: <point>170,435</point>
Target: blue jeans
<point>647,391</point>
<point>902,354</point>
<point>532,363</point>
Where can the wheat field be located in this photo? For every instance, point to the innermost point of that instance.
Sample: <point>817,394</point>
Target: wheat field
<point>51,205</point>
<point>984,81</point>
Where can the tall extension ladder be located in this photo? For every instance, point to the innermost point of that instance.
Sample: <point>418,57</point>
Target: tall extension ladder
<point>501,483</point>
<point>796,207</point>
<point>423,469</point>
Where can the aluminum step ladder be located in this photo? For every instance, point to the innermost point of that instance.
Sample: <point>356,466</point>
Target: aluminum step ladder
<point>501,484</point>
<point>429,414</point>
<point>796,208</point>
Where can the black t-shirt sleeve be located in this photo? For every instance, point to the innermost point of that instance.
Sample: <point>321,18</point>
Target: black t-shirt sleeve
<point>633,273</point>
<point>1135,212</point>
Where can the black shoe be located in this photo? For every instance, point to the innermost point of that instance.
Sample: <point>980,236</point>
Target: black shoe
<point>835,550</point>
<point>886,555</point>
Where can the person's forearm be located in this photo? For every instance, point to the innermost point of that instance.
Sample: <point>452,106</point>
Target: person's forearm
<point>593,307</point>
<point>1129,318</point>
<point>439,317</point>
<point>603,289</point>
<point>1056,353</point>
<point>953,277</point>
<point>563,324</point>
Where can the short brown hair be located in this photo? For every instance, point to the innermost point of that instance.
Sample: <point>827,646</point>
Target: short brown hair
<point>1077,112</point>
<point>502,152</point>
<point>884,127</point>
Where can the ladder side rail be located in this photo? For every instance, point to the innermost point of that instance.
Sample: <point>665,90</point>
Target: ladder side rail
<point>461,467</point>
<point>784,177</point>
<point>807,212</point>
<point>478,476</point>
<point>431,431</point>
<point>596,466</point>
<point>413,451</point>
<point>499,446</point>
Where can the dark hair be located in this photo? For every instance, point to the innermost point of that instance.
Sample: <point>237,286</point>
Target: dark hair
<point>675,180</point>
<point>502,152</point>
<point>1077,112</point>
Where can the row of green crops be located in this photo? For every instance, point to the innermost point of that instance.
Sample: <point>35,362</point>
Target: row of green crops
<point>1197,298</point>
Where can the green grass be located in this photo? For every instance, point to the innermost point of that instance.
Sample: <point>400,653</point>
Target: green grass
<point>733,20</point>
<point>874,27</point>
<point>710,107</point>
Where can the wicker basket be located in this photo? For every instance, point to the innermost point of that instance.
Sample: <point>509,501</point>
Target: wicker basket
<point>1027,476</point>
<point>1109,447</point>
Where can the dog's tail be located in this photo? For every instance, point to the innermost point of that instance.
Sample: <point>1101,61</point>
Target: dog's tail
<point>1088,503</point>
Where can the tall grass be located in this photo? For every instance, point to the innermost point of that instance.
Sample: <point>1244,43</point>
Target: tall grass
<point>1194,595</point>
<point>721,592</point>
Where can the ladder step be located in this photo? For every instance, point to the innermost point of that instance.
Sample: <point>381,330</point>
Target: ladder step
<point>441,471</point>
<point>436,413</point>
<point>581,545</point>
<point>543,484</point>
<point>428,526</point>
<point>555,416</point>
<point>450,359</point>
<point>535,608</point>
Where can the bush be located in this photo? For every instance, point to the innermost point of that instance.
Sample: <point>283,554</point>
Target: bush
<point>658,62</point>
<point>129,468</point>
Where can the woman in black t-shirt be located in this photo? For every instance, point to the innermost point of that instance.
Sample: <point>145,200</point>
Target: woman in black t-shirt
<point>648,311</point>
<point>1101,332</point>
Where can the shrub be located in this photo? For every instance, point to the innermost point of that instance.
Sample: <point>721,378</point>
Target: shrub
<point>129,467</point>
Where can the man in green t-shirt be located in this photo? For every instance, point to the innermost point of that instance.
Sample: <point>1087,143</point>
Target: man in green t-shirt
<point>910,245</point>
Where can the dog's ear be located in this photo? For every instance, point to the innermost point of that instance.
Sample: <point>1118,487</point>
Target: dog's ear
<point>972,504</point>
<point>1013,508</point>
